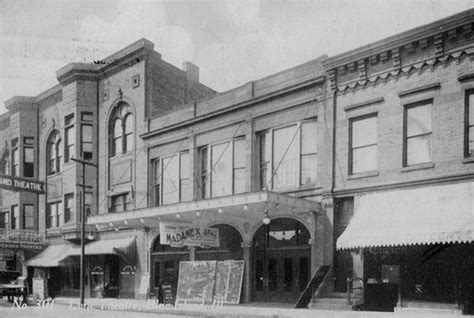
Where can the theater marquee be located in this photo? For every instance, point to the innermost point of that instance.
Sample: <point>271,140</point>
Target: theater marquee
<point>18,184</point>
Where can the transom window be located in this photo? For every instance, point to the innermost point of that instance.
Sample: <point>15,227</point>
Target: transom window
<point>288,155</point>
<point>418,133</point>
<point>469,139</point>
<point>121,129</point>
<point>172,181</point>
<point>363,144</point>
<point>223,168</point>
<point>54,153</point>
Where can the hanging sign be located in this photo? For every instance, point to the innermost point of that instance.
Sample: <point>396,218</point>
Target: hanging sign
<point>18,184</point>
<point>178,234</point>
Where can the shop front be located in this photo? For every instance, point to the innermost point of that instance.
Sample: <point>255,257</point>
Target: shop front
<point>416,247</point>
<point>223,229</point>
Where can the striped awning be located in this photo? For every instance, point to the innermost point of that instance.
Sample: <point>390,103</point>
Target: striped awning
<point>429,215</point>
<point>52,256</point>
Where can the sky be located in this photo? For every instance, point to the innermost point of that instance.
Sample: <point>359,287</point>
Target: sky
<point>232,41</point>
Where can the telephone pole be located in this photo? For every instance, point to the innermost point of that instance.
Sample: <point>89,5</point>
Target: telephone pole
<point>83,222</point>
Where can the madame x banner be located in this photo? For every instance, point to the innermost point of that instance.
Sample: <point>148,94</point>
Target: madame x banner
<point>176,234</point>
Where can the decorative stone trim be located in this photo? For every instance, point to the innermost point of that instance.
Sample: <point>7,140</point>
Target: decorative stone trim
<point>374,59</point>
<point>362,69</point>
<point>396,58</point>
<point>467,29</point>
<point>410,48</point>
<point>352,66</point>
<point>341,70</point>
<point>366,103</point>
<point>424,44</point>
<point>384,56</point>
<point>438,43</point>
<point>332,79</point>
<point>419,89</point>
<point>452,35</point>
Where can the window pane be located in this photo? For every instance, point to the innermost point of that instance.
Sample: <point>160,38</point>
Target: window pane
<point>184,165</point>
<point>87,116</point>
<point>419,120</point>
<point>86,133</point>
<point>221,176</point>
<point>364,132</point>
<point>68,208</point>
<point>205,178</point>
<point>239,153</point>
<point>265,157</point>
<point>29,157</point>
<point>308,169</point>
<point>471,109</point>
<point>419,149</point>
<point>364,159</point>
<point>239,180</point>
<point>129,124</point>
<point>285,157</point>
<point>29,218</point>
<point>471,141</point>
<point>117,128</point>
<point>170,180</point>
<point>185,182</point>
<point>60,209</point>
<point>118,145</point>
<point>309,140</point>
<point>186,190</point>
<point>157,171</point>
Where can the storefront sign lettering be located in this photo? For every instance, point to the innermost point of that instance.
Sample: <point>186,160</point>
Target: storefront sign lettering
<point>187,235</point>
<point>17,184</point>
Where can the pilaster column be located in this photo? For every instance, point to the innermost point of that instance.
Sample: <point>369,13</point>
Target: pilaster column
<point>247,285</point>
<point>192,253</point>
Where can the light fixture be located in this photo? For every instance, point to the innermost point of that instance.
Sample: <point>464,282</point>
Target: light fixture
<point>220,211</point>
<point>246,207</point>
<point>90,237</point>
<point>266,219</point>
<point>116,229</point>
<point>142,221</point>
<point>198,213</point>
<point>178,216</point>
<point>97,226</point>
<point>125,222</point>
<point>111,224</point>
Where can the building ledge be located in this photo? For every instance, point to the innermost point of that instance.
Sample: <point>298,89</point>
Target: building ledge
<point>420,166</point>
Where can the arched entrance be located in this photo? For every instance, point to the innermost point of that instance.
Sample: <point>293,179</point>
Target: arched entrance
<point>281,262</point>
<point>230,246</point>
<point>165,264</point>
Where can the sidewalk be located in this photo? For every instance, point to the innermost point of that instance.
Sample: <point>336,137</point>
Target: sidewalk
<point>234,311</point>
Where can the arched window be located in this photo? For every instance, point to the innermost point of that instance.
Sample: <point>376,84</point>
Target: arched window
<point>121,129</point>
<point>54,153</point>
<point>5,165</point>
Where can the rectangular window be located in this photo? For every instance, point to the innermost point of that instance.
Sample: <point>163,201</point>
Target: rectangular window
<point>70,138</point>
<point>469,135</point>
<point>288,155</point>
<point>121,202</point>
<point>223,168</point>
<point>88,203</point>
<point>4,220</point>
<point>363,144</point>
<point>86,141</point>
<point>15,217</point>
<point>29,141</point>
<point>418,133</point>
<point>28,162</point>
<point>28,217</point>
<point>69,207</point>
<point>15,158</point>
<point>172,180</point>
<point>54,215</point>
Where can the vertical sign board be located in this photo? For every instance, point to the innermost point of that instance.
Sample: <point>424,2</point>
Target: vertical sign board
<point>229,275</point>
<point>206,281</point>
<point>39,290</point>
<point>196,281</point>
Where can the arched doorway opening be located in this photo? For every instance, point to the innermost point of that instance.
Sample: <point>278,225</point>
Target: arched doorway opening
<point>230,245</point>
<point>281,261</point>
<point>165,264</point>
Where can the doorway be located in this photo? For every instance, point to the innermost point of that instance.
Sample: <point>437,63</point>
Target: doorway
<point>281,261</point>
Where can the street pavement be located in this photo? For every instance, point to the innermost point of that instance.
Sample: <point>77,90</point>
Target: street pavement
<point>124,308</point>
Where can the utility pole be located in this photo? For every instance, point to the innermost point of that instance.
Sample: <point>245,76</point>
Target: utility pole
<point>83,223</point>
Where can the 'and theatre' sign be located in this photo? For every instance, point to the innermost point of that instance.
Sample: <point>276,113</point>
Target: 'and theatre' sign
<point>18,184</point>
<point>179,234</point>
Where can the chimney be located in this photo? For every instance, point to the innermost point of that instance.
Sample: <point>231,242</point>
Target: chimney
<point>192,72</point>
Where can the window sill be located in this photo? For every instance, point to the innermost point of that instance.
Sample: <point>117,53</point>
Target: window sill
<point>368,174</point>
<point>468,160</point>
<point>419,166</point>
